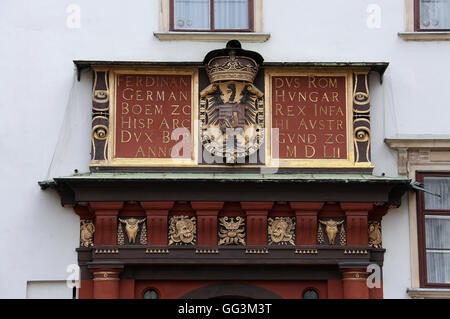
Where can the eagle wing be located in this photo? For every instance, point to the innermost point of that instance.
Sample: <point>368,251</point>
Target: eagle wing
<point>214,101</point>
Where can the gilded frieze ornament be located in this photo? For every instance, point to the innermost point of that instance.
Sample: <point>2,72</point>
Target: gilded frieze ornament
<point>120,234</point>
<point>320,236</point>
<point>87,230</point>
<point>375,234</point>
<point>231,231</point>
<point>232,107</point>
<point>143,236</point>
<point>281,231</point>
<point>331,230</point>
<point>342,236</point>
<point>182,230</point>
<point>132,226</point>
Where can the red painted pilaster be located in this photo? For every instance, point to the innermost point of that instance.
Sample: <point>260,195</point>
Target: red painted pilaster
<point>335,290</point>
<point>376,293</point>
<point>306,221</point>
<point>207,222</point>
<point>256,213</point>
<point>157,213</point>
<point>126,289</point>
<point>354,283</point>
<point>86,289</point>
<point>356,215</point>
<point>105,221</point>
<point>106,283</point>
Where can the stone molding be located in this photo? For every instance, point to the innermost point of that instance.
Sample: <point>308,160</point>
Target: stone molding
<point>212,36</point>
<point>421,293</point>
<point>425,36</point>
<point>420,152</point>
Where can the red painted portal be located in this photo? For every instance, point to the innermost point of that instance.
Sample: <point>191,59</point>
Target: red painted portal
<point>131,289</point>
<point>107,277</point>
<point>179,289</point>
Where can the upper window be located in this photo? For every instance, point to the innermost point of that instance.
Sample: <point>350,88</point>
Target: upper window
<point>434,230</point>
<point>432,15</point>
<point>211,15</point>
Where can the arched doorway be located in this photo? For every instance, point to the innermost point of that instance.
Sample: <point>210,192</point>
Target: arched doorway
<point>231,291</point>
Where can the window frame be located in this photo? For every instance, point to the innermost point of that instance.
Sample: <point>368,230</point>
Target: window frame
<point>313,289</point>
<point>421,213</point>
<point>417,20</point>
<point>251,19</point>
<point>158,294</point>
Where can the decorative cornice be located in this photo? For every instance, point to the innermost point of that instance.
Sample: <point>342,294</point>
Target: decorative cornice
<point>423,150</point>
<point>145,187</point>
<point>346,258</point>
<point>419,143</point>
<point>81,65</point>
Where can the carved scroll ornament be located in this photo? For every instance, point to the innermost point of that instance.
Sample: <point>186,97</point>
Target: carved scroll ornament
<point>100,116</point>
<point>361,117</point>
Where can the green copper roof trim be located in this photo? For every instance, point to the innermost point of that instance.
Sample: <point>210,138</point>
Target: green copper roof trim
<point>46,184</point>
<point>151,186</point>
<point>225,177</point>
<point>419,187</point>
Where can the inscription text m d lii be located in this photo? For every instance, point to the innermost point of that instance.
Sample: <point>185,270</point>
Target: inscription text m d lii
<point>310,113</point>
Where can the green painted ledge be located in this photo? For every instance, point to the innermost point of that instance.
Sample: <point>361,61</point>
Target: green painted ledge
<point>223,177</point>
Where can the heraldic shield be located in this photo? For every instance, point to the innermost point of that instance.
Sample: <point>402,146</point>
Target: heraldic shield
<point>232,107</point>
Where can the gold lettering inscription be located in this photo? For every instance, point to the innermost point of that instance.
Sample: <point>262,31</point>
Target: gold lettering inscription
<point>315,107</point>
<point>149,107</point>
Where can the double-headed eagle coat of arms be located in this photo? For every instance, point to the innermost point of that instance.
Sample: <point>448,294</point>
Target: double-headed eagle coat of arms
<point>232,107</point>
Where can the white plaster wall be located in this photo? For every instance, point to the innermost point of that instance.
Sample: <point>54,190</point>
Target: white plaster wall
<point>397,261</point>
<point>48,290</point>
<point>45,112</point>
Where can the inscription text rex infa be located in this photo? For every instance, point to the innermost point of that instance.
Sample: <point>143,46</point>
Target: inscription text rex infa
<point>310,114</point>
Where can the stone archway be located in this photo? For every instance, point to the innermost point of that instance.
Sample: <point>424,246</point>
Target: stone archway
<point>231,291</point>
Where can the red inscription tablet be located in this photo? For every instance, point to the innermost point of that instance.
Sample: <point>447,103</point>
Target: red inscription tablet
<point>149,107</point>
<point>310,113</point>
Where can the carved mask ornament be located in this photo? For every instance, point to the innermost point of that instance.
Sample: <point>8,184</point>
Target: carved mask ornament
<point>281,230</point>
<point>182,230</point>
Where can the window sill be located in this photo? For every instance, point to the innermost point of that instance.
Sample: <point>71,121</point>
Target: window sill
<point>212,36</point>
<point>425,36</point>
<point>427,293</point>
